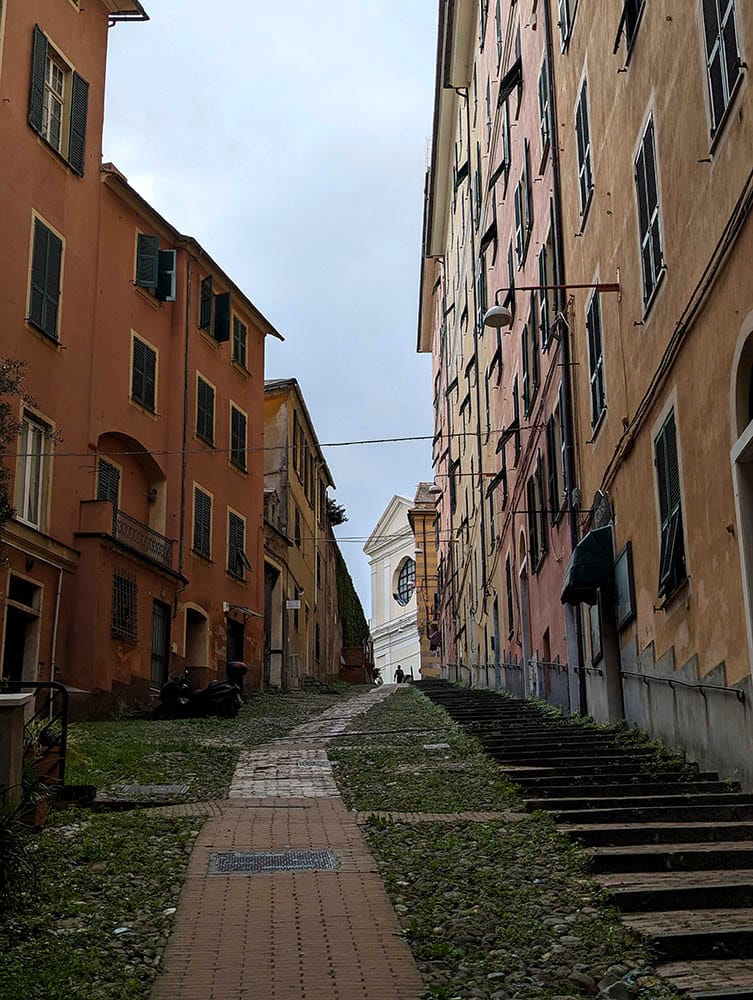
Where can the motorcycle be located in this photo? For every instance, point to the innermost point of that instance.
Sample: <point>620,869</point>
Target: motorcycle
<point>179,701</point>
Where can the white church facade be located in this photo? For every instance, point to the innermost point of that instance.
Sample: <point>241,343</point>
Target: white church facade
<point>394,630</point>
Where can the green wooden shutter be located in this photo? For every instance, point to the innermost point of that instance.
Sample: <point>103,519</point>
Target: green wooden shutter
<point>238,438</point>
<point>541,505</point>
<point>206,302</point>
<point>39,274</point>
<point>79,112</point>
<point>147,261</point>
<point>108,481</point>
<point>533,528</point>
<point>526,372</point>
<point>205,412</point>
<point>534,332</point>
<point>143,376</point>
<point>222,317</point>
<point>167,276</point>
<point>236,542</point>
<point>202,523</point>
<point>551,459</point>
<point>38,71</point>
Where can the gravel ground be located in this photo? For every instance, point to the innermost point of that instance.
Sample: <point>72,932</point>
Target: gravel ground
<point>493,910</point>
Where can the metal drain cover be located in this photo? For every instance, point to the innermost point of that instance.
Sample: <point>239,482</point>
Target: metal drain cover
<point>149,791</point>
<point>264,862</point>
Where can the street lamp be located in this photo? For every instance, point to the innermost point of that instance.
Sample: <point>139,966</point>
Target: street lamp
<point>500,316</point>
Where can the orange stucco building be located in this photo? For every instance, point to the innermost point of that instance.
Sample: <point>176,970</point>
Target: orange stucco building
<point>137,543</point>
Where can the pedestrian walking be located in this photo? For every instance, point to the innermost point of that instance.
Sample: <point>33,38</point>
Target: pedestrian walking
<point>399,675</point>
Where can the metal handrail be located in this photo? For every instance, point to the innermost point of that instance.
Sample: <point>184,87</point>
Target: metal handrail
<point>698,685</point>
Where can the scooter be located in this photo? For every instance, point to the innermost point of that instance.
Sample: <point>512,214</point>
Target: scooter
<point>178,701</point>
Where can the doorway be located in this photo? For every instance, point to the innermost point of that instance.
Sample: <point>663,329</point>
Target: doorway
<point>197,639</point>
<point>236,641</point>
<point>160,643</point>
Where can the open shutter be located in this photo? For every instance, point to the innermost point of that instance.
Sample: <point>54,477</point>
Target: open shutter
<point>534,345</point>
<point>528,193</point>
<point>147,261</point>
<point>166,277</point>
<point>206,303</point>
<point>526,373</point>
<point>54,268</point>
<point>79,111</point>
<point>541,504</point>
<point>39,274</point>
<point>563,20</point>
<point>519,222</point>
<point>533,530</point>
<point>551,461</point>
<point>222,318</point>
<point>38,71</point>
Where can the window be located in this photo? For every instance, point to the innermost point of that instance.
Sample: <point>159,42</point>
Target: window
<point>516,416</point>
<point>108,482</point>
<point>214,311</point>
<point>582,132</point>
<point>143,374</point>
<point>596,360</point>
<point>46,273</point>
<point>237,562</point>
<point>631,13</point>
<point>296,611</point>
<point>238,423</point>
<point>647,189</point>
<point>206,302</point>
<point>297,524</point>
<point>295,440</point>
<point>155,268</point>
<point>544,296</point>
<point>498,22</point>
<point>544,118</point>
<point>672,569</point>
<point>240,342</point>
<point>555,463</point>
<point>124,620</point>
<point>537,522</point>
<point>406,582</point>
<point>202,523</point>
<point>523,208</point>
<point>506,140</point>
<point>204,411</point>
<point>489,121</point>
<point>530,349</point>
<point>723,65</point>
<point>34,471</point>
<point>541,507</point>
<point>58,102</point>
<point>564,21</point>
<point>508,584</point>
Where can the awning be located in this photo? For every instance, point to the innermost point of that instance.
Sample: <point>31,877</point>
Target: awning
<point>591,566</point>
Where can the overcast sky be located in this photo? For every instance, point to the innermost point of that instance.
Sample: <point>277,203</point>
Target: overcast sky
<point>291,141</point>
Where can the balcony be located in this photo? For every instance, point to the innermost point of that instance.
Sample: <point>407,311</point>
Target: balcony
<point>141,537</point>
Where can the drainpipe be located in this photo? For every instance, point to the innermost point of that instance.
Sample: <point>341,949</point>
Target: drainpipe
<point>184,448</point>
<point>568,417</point>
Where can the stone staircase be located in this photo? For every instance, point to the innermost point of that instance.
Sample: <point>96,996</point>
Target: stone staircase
<point>673,845</point>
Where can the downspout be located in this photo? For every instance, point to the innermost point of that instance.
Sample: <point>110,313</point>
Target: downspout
<point>184,447</point>
<point>568,417</point>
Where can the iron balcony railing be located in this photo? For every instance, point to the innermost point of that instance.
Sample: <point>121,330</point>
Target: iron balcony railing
<point>141,537</point>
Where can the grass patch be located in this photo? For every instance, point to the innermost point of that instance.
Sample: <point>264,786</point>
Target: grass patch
<point>199,752</point>
<point>391,770</point>
<point>95,874</point>
<point>494,909</point>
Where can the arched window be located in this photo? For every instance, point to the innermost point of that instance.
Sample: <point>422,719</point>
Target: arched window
<point>406,582</point>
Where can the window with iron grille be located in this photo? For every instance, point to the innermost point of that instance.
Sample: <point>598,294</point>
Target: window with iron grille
<point>204,411</point>
<point>144,374</point>
<point>124,621</point>
<point>237,562</point>
<point>46,272</point>
<point>108,482</point>
<point>240,342</point>
<point>647,189</point>
<point>202,523</point>
<point>583,137</point>
<point>723,64</point>
<point>238,424</point>
<point>672,569</point>
<point>596,360</point>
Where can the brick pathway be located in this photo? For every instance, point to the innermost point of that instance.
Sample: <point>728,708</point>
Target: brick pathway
<point>314,935</point>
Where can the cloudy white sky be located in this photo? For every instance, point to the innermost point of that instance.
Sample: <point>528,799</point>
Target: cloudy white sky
<point>291,141</point>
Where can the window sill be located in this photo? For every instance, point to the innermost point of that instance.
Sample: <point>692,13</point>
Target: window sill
<point>234,577</point>
<point>56,155</point>
<point>43,334</point>
<point>146,410</point>
<point>205,335</point>
<point>671,601</point>
<point>596,427</point>
<point>144,294</point>
<point>205,442</point>
<point>241,369</point>
<point>207,560</point>
<point>586,211</point>
<point>544,157</point>
<point>718,134</point>
<point>240,469</point>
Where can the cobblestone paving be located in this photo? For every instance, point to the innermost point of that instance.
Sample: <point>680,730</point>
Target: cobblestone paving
<point>322,935</point>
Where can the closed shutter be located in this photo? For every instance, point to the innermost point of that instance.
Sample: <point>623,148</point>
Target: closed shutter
<point>551,461</point>
<point>544,297</point>
<point>541,506</point>
<point>528,205</point>
<point>202,523</point>
<point>147,261</point>
<point>38,71</point>
<point>222,311</point>
<point>672,558</point>
<point>205,411</point>
<point>240,338</point>
<point>108,482</point>
<point>533,526</point>
<point>46,264</point>
<point>534,346</point>
<point>79,112</point>
<point>647,190</point>
<point>516,415</point>
<point>238,438</point>
<point>595,359</point>
<point>519,221</point>
<point>526,373</point>
<point>236,544</point>
<point>205,304</point>
<point>143,375</point>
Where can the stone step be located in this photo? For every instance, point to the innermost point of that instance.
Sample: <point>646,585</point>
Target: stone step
<point>548,757</point>
<point>710,979</point>
<point>672,857</point>
<point>603,835</point>
<point>679,890</point>
<point>554,790</point>
<point>641,801</point>
<point>697,934</point>
<point>582,773</point>
<point>606,814</point>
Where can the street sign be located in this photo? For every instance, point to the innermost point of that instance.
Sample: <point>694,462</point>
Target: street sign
<point>293,605</point>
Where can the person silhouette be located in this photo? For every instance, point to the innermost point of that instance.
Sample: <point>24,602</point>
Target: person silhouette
<point>399,675</point>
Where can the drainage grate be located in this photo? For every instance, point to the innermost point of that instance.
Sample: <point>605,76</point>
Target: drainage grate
<point>264,862</point>
<point>149,791</point>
